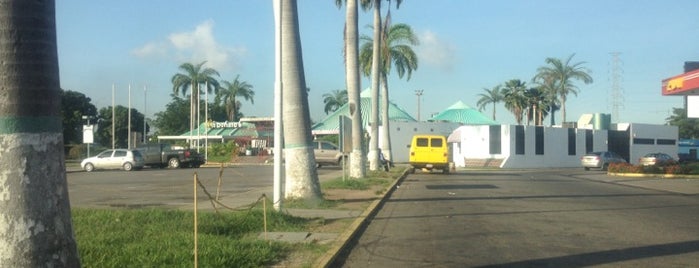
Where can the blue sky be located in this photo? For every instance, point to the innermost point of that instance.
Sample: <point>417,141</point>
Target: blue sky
<point>466,46</point>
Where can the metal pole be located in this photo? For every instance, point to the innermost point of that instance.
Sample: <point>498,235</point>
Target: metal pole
<point>278,136</point>
<point>145,106</point>
<point>418,93</point>
<point>113,143</point>
<point>128,129</point>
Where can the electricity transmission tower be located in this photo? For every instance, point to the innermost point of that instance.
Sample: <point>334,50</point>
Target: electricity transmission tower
<point>616,90</point>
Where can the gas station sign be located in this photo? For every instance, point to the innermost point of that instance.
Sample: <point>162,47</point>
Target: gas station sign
<point>684,84</point>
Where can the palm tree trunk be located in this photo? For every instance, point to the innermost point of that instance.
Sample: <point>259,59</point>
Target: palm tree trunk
<point>385,124</point>
<point>357,167</point>
<point>36,228</point>
<point>375,77</point>
<point>301,175</point>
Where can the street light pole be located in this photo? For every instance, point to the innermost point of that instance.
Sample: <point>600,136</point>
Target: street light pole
<point>418,93</point>
<point>145,106</point>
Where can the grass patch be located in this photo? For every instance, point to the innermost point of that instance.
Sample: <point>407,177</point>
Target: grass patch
<point>164,238</point>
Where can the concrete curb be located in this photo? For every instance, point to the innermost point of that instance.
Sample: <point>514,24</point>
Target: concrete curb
<point>649,175</point>
<point>341,242</point>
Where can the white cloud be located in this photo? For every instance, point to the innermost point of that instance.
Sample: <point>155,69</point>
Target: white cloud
<point>434,51</point>
<point>194,47</point>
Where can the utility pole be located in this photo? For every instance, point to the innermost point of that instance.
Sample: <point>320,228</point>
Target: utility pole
<point>418,93</point>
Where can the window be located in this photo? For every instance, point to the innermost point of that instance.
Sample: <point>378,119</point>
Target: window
<point>665,142</point>
<point>643,141</point>
<point>519,139</point>
<point>571,141</point>
<point>421,142</point>
<point>119,153</point>
<point>436,142</point>
<point>588,141</point>
<point>495,143</point>
<point>539,140</point>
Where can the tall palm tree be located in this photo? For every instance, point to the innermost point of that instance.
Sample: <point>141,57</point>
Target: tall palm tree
<point>191,79</point>
<point>491,96</point>
<point>536,102</point>
<point>36,228</point>
<point>375,77</point>
<point>357,165</point>
<point>301,175</point>
<point>396,51</point>
<point>563,73</point>
<point>515,100</point>
<point>334,100</point>
<point>230,91</point>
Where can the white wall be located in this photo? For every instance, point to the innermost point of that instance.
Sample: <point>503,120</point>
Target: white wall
<point>646,131</point>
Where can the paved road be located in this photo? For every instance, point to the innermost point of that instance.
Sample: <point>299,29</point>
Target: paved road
<point>173,188</point>
<point>549,218</point>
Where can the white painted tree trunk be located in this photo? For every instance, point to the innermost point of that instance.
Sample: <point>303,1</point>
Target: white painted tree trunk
<point>357,163</point>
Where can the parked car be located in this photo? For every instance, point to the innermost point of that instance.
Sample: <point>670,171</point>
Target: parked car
<point>600,160</point>
<point>657,159</point>
<point>114,159</point>
<point>327,153</point>
<point>165,155</point>
<point>429,152</point>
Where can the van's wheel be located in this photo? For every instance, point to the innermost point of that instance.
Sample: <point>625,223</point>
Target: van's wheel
<point>128,166</point>
<point>173,163</point>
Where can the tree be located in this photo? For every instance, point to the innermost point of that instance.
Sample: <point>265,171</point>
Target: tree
<point>173,121</point>
<point>301,175</point>
<point>688,128</point>
<point>334,100</point>
<point>491,96</point>
<point>121,125</point>
<point>561,74</point>
<point>192,78</point>
<point>75,105</point>
<point>36,229</point>
<point>396,51</point>
<point>357,166</point>
<point>515,99</point>
<point>230,91</point>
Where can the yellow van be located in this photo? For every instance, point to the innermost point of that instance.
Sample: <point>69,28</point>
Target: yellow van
<point>429,152</point>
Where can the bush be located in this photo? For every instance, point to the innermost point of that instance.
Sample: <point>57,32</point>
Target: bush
<point>624,168</point>
<point>671,169</point>
<point>225,151</point>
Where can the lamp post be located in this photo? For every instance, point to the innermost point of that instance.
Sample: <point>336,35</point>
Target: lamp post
<point>145,106</point>
<point>418,93</point>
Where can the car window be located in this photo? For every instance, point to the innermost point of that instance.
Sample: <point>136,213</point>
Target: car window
<point>421,142</point>
<point>315,145</point>
<point>328,146</point>
<point>436,143</point>
<point>136,153</point>
<point>119,153</point>
<point>105,154</point>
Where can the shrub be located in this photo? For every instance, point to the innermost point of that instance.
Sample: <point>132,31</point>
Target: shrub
<point>624,168</point>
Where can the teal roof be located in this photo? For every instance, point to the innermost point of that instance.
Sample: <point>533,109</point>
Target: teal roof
<point>331,124</point>
<point>459,112</point>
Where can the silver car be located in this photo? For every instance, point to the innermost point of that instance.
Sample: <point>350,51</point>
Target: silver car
<point>114,159</point>
<point>327,153</point>
<point>600,160</point>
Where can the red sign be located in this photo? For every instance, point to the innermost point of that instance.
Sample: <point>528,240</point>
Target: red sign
<point>681,84</point>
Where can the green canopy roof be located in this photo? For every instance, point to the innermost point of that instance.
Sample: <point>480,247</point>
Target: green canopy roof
<point>462,113</point>
<point>331,124</point>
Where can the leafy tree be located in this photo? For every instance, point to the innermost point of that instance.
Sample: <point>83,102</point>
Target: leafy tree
<point>358,159</point>
<point>561,74</point>
<point>173,121</point>
<point>302,181</point>
<point>121,125</point>
<point>515,99</point>
<point>688,127</point>
<point>75,105</point>
<point>191,79</point>
<point>334,100</point>
<point>396,51</point>
<point>491,96</point>
<point>36,229</point>
<point>228,93</point>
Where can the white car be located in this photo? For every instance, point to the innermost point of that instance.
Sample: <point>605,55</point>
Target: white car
<point>114,159</point>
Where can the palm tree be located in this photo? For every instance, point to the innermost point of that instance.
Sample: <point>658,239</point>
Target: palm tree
<point>491,96</point>
<point>334,100</point>
<point>357,157</point>
<point>515,100</point>
<point>396,51</point>
<point>228,93</point>
<point>374,161</point>
<point>36,229</point>
<point>562,73</point>
<point>192,78</point>
<point>301,175</point>
<point>536,100</point>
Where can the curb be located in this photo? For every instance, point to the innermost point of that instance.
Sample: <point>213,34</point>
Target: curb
<point>341,242</point>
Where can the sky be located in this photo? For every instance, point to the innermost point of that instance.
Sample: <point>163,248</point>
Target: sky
<point>465,47</point>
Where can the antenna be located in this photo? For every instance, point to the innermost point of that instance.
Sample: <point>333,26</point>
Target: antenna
<point>616,90</point>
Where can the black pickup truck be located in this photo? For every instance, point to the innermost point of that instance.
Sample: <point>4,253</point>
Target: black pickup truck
<point>163,155</point>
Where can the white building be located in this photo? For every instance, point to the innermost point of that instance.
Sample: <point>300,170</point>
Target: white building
<point>517,146</point>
